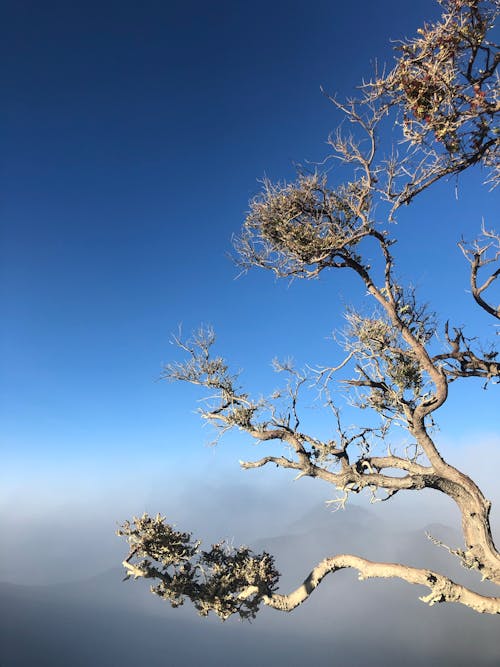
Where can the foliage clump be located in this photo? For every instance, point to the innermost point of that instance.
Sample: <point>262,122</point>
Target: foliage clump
<point>294,225</point>
<point>445,85</point>
<point>443,97</point>
<point>214,580</point>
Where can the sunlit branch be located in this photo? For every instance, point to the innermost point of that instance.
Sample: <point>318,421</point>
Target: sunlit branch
<point>442,97</point>
<point>228,580</point>
<point>482,252</point>
<point>442,589</point>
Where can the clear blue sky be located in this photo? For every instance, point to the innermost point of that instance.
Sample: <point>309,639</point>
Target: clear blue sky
<point>133,135</point>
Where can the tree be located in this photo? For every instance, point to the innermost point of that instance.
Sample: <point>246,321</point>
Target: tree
<point>442,96</point>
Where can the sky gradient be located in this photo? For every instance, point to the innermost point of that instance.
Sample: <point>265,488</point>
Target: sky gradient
<point>133,136</point>
<point>133,141</point>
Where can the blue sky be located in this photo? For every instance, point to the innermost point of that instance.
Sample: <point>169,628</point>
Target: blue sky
<point>133,137</point>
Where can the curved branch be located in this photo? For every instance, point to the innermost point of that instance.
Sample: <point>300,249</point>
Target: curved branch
<point>381,462</point>
<point>442,589</point>
<point>484,250</point>
<point>228,580</point>
<point>280,461</point>
<point>361,474</point>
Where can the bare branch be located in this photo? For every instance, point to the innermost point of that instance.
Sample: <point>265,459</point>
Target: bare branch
<point>461,361</point>
<point>443,96</point>
<point>442,589</point>
<point>485,250</point>
<point>236,581</point>
<point>445,89</point>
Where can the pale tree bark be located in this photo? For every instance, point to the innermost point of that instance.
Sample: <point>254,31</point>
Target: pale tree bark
<point>442,589</point>
<point>443,92</point>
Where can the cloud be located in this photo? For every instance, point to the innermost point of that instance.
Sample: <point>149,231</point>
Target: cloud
<point>97,620</point>
<point>102,621</point>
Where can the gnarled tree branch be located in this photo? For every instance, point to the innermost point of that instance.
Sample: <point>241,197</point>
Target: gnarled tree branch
<point>231,581</point>
<point>444,96</point>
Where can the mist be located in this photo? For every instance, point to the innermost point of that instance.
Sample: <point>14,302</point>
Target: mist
<point>64,602</point>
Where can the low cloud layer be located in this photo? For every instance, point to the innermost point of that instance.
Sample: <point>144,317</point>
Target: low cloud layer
<point>95,619</point>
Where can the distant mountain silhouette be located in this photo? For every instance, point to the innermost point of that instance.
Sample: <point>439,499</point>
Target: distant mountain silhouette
<point>103,622</point>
